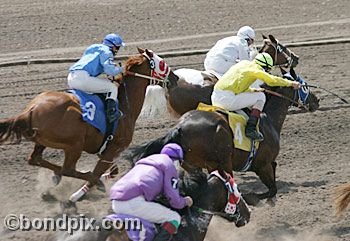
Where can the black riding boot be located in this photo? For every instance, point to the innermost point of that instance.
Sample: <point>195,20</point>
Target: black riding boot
<point>111,111</point>
<point>251,131</point>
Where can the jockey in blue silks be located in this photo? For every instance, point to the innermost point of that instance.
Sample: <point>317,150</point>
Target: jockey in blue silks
<point>98,59</point>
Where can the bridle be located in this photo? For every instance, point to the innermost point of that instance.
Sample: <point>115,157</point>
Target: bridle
<point>163,80</point>
<point>235,217</point>
<point>280,49</point>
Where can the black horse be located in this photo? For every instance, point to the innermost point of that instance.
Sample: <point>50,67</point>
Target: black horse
<point>210,196</point>
<point>208,140</point>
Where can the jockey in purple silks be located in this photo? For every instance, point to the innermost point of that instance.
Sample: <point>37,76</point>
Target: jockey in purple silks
<point>134,193</point>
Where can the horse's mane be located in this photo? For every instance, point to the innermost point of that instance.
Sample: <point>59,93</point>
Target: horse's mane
<point>131,61</point>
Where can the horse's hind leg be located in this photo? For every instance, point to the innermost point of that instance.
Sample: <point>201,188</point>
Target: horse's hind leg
<point>268,177</point>
<point>36,159</point>
<point>99,169</point>
<point>68,169</point>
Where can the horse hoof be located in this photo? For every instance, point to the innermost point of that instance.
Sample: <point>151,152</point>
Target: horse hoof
<point>69,207</point>
<point>56,179</point>
<point>101,186</point>
<point>271,201</point>
<point>48,197</point>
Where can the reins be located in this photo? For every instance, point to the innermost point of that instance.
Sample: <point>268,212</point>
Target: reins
<point>152,79</point>
<point>318,87</point>
<point>236,216</point>
<point>286,98</point>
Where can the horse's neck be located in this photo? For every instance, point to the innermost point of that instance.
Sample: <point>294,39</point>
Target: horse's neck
<point>276,110</point>
<point>134,95</point>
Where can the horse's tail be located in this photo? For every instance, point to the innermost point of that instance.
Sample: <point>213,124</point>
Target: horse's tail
<point>342,198</point>
<point>12,129</point>
<point>153,147</point>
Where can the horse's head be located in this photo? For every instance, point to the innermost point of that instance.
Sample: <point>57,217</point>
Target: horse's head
<point>142,70</point>
<point>231,203</point>
<point>282,56</point>
<point>217,196</point>
<point>303,97</point>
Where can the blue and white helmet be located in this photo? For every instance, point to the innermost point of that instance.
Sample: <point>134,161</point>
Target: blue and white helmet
<point>113,40</point>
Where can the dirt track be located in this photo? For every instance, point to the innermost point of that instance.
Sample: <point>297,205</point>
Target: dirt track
<point>315,147</point>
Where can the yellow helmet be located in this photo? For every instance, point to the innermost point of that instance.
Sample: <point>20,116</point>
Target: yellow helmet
<point>264,60</point>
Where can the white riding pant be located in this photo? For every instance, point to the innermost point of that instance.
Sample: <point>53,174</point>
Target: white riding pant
<point>151,211</point>
<point>232,102</point>
<point>81,80</point>
<point>217,64</point>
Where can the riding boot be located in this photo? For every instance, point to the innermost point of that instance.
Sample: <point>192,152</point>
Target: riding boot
<point>251,129</point>
<point>111,110</point>
<point>166,232</point>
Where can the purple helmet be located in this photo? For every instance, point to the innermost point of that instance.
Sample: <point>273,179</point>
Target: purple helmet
<point>173,150</point>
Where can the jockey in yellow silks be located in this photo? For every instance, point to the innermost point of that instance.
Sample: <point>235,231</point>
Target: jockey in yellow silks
<point>233,92</point>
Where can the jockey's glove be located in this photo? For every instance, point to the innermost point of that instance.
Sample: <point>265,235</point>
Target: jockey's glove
<point>189,201</point>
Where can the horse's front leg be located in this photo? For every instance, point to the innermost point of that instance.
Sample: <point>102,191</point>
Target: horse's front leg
<point>267,174</point>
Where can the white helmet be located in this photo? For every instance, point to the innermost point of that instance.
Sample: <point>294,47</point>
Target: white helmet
<point>246,32</point>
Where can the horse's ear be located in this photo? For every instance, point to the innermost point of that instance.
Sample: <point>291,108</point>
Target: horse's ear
<point>141,51</point>
<point>264,36</point>
<point>272,38</point>
<point>149,53</point>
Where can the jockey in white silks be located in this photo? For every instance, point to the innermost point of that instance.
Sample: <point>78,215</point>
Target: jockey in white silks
<point>229,51</point>
<point>96,60</point>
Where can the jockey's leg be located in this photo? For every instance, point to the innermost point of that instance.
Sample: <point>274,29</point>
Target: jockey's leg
<point>81,80</point>
<point>229,101</point>
<point>151,211</point>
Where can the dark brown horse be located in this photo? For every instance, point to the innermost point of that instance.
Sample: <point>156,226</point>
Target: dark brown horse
<point>210,197</point>
<point>54,119</point>
<point>208,140</point>
<point>186,96</point>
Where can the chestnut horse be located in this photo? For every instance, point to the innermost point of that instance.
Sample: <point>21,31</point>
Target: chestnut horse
<point>210,196</point>
<point>54,119</point>
<point>342,198</point>
<point>186,96</point>
<point>208,140</point>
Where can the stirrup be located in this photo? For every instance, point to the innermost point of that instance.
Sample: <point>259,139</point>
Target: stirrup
<point>256,136</point>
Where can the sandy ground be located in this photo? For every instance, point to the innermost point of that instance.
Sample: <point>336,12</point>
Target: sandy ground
<point>314,156</point>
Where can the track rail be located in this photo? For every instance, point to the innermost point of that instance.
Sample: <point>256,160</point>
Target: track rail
<point>171,54</point>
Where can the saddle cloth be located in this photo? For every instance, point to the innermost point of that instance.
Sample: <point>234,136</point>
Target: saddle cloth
<point>93,110</point>
<point>146,231</point>
<point>237,124</point>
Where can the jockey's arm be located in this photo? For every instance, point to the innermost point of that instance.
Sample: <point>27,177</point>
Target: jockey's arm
<point>271,80</point>
<point>171,189</point>
<point>109,67</point>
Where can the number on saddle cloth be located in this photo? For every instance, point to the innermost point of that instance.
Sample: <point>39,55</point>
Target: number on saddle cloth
<point>136,228</point>
<point>237,123</point>
<point>93,110</point>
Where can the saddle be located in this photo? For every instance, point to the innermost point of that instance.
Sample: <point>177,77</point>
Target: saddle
<point>237,123</point>
<point>93,108</point>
